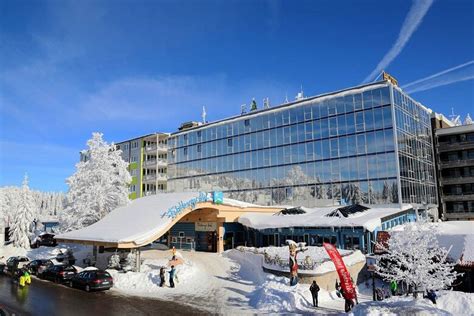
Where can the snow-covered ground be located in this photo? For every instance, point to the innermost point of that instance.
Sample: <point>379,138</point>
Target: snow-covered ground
<point>234,283</point>
<point>448,303</point>
<point>231,283</point>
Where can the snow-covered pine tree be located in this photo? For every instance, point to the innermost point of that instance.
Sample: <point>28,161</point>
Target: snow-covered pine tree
<point>23,217</point>
<point>413,256</point>
<point>98,186</point>
<point>114,261</point>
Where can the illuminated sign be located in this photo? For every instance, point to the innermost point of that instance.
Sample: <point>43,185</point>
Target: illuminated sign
<point>174,211</point>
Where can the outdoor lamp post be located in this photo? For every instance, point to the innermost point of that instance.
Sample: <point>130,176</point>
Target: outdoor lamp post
<point>371,262</point>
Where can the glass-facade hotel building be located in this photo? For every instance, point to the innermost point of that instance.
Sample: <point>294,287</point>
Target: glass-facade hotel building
<point>370,144</point>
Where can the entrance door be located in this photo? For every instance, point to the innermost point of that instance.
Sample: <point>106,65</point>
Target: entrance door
<point>306,239</point>
<point>277,240</point>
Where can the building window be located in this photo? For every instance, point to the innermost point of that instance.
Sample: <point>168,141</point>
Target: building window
<point>247,122</point>
<point>229,142</point>
<point>198,149</point>
<point>185,151</point>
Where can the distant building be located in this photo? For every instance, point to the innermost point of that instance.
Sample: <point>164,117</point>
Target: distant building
<point>147,158</point>
<point>369,144</point>
<point>455,158</point>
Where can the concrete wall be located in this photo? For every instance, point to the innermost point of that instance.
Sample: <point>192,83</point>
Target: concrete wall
<point>327,280</point>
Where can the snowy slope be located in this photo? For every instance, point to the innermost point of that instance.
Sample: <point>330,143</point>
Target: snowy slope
<point>448,303</point>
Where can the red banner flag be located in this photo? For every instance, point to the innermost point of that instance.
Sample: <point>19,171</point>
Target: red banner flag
<point>344,276</point>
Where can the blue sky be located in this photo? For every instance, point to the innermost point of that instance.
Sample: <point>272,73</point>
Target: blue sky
<point>126,68</point>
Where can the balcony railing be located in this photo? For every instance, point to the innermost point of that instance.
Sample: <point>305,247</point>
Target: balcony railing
<point>457,163</point>
<point>456,180</point>
<point>156,147</point>
<point>150,162</point>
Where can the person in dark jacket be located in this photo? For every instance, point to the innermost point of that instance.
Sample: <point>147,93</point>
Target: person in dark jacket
<point>162,276</point>
<point>348,303</point>
<point>431,296</point>
<point>172,274</point>
<point>314,289</point>
<point>338,289</point>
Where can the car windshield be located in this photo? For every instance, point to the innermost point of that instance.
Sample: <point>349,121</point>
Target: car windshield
<point>70,268</point>
<point>102,275</point>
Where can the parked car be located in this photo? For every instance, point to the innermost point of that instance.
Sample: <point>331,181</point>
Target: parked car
<point>44,239</point>
<point>58,273</point>
<point>15,263</point>
<point>38,266</point>
<point>90,280</point>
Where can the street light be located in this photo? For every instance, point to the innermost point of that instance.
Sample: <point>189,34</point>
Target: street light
<point>371,261</point>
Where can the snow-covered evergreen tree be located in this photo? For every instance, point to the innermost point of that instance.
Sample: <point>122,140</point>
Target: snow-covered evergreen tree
<point>413,256</point>
<point>24,215</point>
<point>99,185</point>
<point>114,261</point>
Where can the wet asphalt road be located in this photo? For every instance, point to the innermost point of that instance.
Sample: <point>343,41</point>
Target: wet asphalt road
<point>47,298</point>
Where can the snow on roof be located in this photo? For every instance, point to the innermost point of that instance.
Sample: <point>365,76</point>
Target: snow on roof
<point>457,236</point>
<point>140,220</point>
<point>317,217</point>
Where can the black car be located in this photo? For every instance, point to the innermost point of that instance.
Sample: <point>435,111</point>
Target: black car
<point>44,239</point>
<point>92,280</point>
<point>14,263</point>
<point>38,265</point>
<point>59,273</point>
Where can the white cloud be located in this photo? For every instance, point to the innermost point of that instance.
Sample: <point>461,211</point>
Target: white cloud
<point>411,23</point>
<point>455,74</point>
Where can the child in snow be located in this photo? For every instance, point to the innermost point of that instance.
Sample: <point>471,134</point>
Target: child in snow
<point>314,289</point>
<point>172,274</point>
<point>162,276</point>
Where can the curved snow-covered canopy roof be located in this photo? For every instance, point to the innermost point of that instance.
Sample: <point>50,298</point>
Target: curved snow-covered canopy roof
<point>147,219</point>
<point>370,219</point>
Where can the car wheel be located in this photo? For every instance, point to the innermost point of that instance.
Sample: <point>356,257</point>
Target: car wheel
<point>88,288</point>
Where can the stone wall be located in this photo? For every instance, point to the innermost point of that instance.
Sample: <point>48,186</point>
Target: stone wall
<point>327,280</point>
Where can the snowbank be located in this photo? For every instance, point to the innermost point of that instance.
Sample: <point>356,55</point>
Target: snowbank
<point>448,303</point>
<point>318,256</point>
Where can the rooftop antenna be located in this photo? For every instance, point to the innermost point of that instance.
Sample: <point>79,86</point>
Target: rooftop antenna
<point>300,95</point>
<point>266,103</point>
<point>468,120</point>
<point>455,119</point>
<point>243,109</point>
<point>286,97</point>
<point>203,115</point>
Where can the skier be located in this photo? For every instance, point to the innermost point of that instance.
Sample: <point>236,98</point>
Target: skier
<point>393,288</point>
<point>431,296</point>
<point>314,289</point>
<point>162,276</point>
<point>172,274</point>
